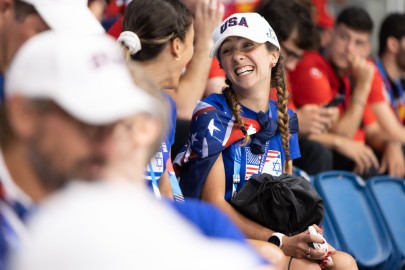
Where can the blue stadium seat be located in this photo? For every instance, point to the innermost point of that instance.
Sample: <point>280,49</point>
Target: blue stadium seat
<point>388,194</point>
<point>359,231</point>
<point>299,172</point>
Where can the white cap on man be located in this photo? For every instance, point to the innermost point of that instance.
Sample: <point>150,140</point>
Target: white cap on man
<point>67,16</point>
<point>85,75</point>
<point>248,25</point>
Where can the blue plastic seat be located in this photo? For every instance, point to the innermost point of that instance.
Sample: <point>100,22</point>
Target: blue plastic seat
<point>359,231</point>
<point>389,196</point>
<point>299,172</point>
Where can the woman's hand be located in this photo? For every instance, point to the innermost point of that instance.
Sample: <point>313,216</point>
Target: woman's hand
<point>297,246</point>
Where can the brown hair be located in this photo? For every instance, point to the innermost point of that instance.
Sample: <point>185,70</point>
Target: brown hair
<point>23,10</point>
<point>277,81</point>
<point>6,134</point>
<point>155,22</point>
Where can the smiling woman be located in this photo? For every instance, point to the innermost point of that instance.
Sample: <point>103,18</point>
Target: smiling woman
<point>240,133</point>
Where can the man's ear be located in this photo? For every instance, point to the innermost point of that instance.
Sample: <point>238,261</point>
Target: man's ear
<point>176,46</point>
<point>4,5</point>
<point>21,116</point>
<point>392,44</point>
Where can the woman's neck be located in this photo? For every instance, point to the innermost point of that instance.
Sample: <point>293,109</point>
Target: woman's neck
<point>255,99</point>
<point>160,73</point>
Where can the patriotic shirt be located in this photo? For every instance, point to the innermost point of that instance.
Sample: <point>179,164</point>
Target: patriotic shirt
<point>162,162</point>
<point>14,205</point>
<point>1,88</point>
<point>214,131</point>
<point>395,93</point>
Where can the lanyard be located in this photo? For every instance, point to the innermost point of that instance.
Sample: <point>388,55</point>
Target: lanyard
<point>237,160</point>
<point>177,194</point>
<point>154,182</point>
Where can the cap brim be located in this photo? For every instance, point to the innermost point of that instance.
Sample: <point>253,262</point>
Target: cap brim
<point>214,50</point>
<point>79,20</point>
<point>106,107</point>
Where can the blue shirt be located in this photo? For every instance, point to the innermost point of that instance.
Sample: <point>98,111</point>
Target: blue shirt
<point>395,93</point>
<point>214,131</point>
<point>1,88</point>
<point>211,222</point>
<point>159,161</point>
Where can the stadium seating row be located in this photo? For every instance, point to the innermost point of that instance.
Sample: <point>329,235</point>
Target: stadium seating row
<point>365,218</point>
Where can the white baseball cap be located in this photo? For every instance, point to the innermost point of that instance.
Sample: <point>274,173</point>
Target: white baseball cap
<point>85,75</point>
<point>67,16</point>
<point>249,25</point>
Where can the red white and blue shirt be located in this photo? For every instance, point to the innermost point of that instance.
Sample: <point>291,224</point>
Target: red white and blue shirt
<point>214,131</point>
<point>162,162</point>
<point>395,93</point>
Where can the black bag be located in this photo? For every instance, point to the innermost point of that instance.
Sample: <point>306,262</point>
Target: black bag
<point>285,203</point>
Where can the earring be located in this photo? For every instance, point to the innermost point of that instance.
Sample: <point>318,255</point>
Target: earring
<point>177,58</point>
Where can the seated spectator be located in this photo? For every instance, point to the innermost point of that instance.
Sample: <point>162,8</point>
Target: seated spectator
<point>343,68</point>
<point>296,32</point>
<point>240,133</point>
<point>110,144</point>
<point>324,21</point>
<point>151,39</point>
<point>22,19</point>
<point>391,62</point>
<point>207,218</point>
<point>25,18</point>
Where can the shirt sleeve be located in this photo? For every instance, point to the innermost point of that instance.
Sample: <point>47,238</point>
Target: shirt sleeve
<point>377,89</point>
<point>310,83</point>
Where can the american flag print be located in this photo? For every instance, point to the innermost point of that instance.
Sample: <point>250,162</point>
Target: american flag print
<point>256,164</point>
<point>252,163</point>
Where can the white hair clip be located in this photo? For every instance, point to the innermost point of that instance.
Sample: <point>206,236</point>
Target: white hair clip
<point>131,41</point>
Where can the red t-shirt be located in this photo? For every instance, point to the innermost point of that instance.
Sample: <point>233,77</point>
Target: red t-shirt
<point>116,29</point>
<point>215,70</point>
<point>273,94</point>
<point>315,82</point>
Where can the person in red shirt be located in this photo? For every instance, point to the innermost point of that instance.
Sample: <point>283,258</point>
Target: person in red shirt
<point>343,68</point>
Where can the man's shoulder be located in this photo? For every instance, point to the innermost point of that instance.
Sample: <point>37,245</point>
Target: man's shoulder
<point>313,58</point>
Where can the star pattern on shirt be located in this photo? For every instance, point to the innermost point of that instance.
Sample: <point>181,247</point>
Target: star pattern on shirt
<point>251,130</point>
<point>193,138</point>
<point>212,127</point>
